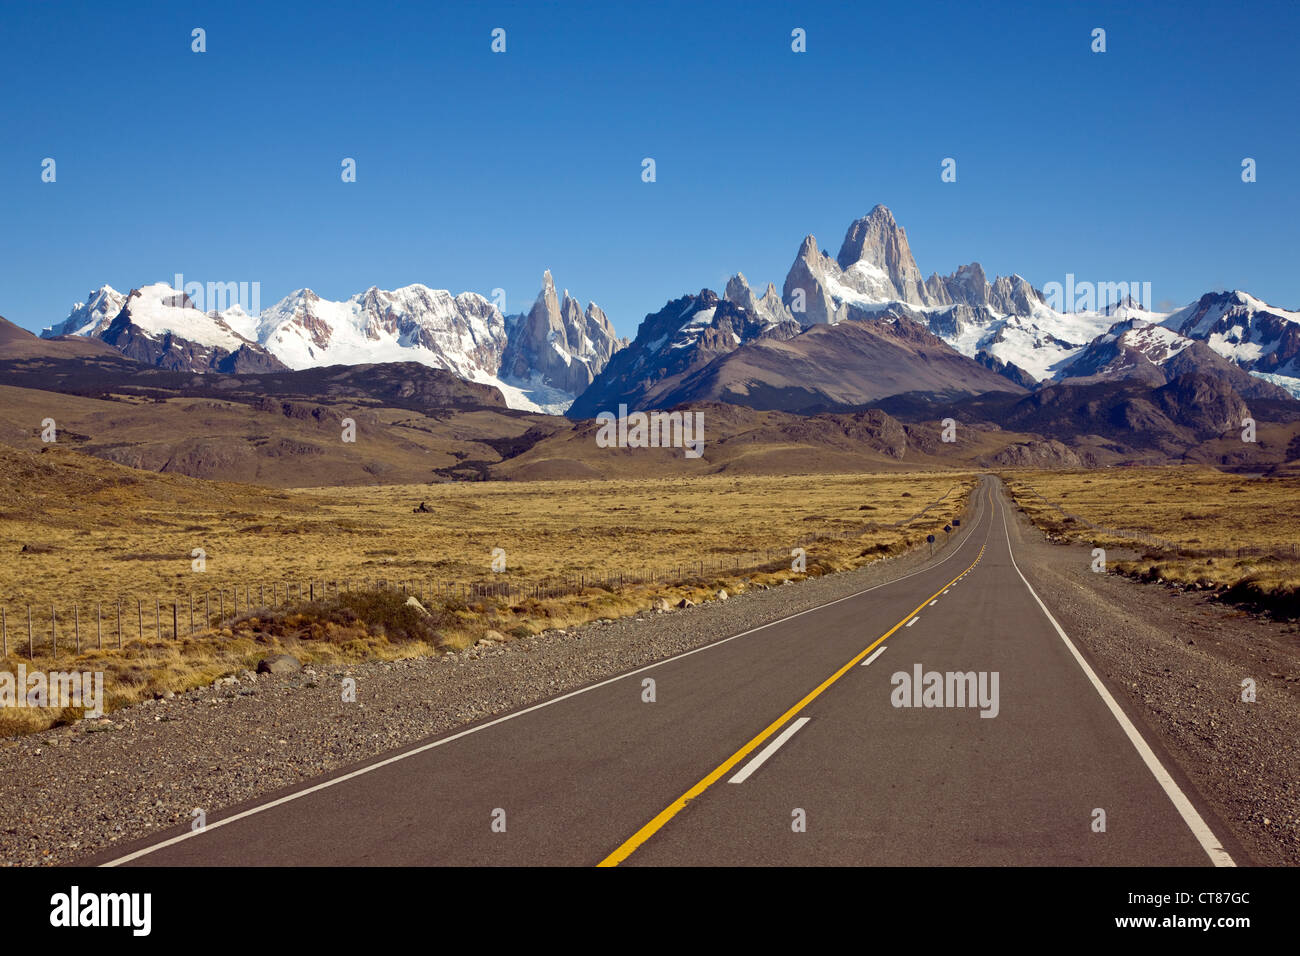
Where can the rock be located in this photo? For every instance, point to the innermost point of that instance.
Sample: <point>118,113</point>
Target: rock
<point>660,604</point>
<point>280,664</point>
<point>722,595</point>
<point>412,602</point>
<point>491,637</point>
<point>686,602</point>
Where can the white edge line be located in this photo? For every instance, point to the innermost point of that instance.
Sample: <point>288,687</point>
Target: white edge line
<point>1211,844</point>
<point>361,771</point>
<point>767,751</point>
<point>878,651</point>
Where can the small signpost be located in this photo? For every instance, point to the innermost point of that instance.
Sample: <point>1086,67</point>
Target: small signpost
<point>930,540</point>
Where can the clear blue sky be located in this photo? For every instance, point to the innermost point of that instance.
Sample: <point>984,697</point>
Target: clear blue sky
<point>479,170</point>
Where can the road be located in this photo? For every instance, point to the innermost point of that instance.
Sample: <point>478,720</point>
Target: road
<point>778,746</point>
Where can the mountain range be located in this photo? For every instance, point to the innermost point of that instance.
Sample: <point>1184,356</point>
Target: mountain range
<point>833,338</point>
<point>415,423</point>
<point>844,332</point>
<point>540,361</point>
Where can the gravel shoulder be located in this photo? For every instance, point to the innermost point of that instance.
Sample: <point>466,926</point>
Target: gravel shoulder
<point>1176,661</point>
<point>70,792</point>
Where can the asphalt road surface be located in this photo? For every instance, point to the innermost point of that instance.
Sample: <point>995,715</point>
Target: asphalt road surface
<point>781,745</point>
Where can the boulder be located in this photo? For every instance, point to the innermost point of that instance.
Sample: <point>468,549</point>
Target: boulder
<point>279,664</point>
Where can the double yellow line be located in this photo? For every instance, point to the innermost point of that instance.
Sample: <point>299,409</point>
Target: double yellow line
<point>630,845</point>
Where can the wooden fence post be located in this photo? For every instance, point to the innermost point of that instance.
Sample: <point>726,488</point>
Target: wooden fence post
<point>175,633</point>
<point>139,615</point>
<point>4,630</point>
<point>119,622</point>
<point>54,631</point>
<point>31,652</point>
<point>99,625</point>
<point>76,626</point>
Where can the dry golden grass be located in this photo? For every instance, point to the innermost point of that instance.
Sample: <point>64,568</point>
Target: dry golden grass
<point>95,531</point>
<point>1225,532</point>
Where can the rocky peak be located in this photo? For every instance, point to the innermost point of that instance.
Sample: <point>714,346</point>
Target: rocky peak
<point>739,293</point>
<point>879,241</point>
<point>559,344</point>
<point>805,293</point>
<point>92,316</point>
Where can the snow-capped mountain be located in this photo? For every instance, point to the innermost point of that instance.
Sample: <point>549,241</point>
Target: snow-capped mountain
<point>1246,331</point>
<point>875,274</point>
<point>465,334</point>
<point>684,336</point>
<point>161,326</point>
<point>1139,349</point>
<point>1128,348</point>
<point>93,316</point>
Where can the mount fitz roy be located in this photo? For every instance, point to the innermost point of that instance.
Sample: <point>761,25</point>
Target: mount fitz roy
<point>539,361</point>
<point>864,325</point>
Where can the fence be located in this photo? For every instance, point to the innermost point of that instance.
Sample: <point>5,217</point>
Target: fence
<point>127,617</point>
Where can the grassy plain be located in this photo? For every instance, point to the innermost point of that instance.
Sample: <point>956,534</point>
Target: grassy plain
<point>78,530</point>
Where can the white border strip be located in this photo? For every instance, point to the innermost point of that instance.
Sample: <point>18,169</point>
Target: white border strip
<point>335,781</point>
<point>1200,829</point>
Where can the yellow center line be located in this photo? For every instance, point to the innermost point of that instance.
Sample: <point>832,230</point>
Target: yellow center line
<point>654,826</point>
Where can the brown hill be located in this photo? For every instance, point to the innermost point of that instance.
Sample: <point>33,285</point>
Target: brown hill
<point>17,344</point>
<point>270,441</point>
<point>740,440</point>
<point>834,367</point>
